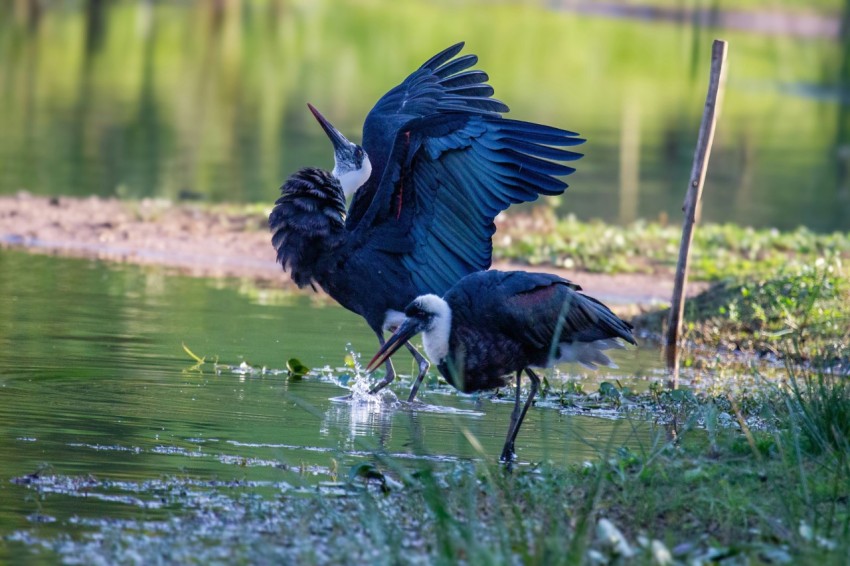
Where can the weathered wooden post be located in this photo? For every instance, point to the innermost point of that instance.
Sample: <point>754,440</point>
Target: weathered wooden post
<point>713,102</point>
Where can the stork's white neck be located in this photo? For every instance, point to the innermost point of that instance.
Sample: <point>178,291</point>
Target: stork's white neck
<point>435,338</point>
<point>353,179</point>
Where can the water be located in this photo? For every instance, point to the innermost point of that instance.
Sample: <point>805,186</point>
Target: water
<point>97,394</point>
<point>208,100</point>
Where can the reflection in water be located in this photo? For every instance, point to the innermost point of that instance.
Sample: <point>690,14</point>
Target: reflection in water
<point>842,134</point>
<point>207,100</point>
<point>103,414</point>
<point>361,416</point>
<point>629,162</point>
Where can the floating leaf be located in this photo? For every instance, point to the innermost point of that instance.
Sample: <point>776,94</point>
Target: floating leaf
<point>296,369</point>
<point>607,389</point>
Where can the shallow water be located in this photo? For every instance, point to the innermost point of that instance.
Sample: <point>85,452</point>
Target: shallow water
<point>97,394</point>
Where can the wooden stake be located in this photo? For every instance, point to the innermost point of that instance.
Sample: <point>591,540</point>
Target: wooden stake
<point>713,102</point>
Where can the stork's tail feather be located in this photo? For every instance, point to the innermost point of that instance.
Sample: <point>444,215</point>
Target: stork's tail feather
<point>306,223</point>
<point>603,330</point>
<point>589,354</point>
<point>608,323</point>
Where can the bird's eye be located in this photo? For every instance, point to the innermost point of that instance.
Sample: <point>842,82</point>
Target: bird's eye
<point>358,154</point>
<point>414,312</point>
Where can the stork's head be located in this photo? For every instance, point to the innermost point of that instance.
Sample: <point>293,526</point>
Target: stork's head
<point>428,314</point>
<point>351,164</point>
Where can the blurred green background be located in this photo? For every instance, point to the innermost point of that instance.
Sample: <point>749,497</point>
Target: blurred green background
<point>207,99</point>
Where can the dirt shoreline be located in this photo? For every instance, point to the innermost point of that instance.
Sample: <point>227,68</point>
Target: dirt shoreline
<point>217,241</point>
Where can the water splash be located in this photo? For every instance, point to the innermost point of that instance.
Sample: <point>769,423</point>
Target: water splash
<point>360,386</point>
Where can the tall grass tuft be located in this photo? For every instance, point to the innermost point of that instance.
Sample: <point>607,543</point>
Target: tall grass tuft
<point>819,404</point>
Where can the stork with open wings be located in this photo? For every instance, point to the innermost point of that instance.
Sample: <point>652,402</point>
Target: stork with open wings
<point>437,164</point>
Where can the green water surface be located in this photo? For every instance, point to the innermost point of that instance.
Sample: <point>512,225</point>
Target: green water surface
<point>208,99</point>
<point>96,388</point>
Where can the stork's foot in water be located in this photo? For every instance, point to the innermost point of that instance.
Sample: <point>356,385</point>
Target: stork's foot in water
<point>387,379</point>
<point>508,458</point>
<point>380,385</point>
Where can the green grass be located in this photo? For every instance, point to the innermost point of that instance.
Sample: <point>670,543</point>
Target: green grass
<point>784,294</point>
<point>719,250</point>
<point>820,406</point>
<point>798,312</point>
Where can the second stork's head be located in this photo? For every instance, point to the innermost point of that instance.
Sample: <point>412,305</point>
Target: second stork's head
<point>428,314</point>
<point>351,164</point>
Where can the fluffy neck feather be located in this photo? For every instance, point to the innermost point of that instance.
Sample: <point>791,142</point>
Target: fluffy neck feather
<point>435,337</point>
<point>353,179</point>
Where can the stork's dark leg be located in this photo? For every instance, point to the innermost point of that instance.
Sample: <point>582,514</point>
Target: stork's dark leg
<point>507,451</point>
<point>390,370</point>
<point>516,416</point>
<point>423,369</point>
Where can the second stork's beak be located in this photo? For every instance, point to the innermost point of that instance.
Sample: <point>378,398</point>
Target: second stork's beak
<point>340,142</point>
<point>408,329</point>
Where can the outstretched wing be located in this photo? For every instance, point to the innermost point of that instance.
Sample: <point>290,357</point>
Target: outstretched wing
<point>448,177</point>
<point>442,84</point>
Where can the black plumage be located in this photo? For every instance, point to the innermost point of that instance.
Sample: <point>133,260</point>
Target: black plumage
<point>493,324</point>
<point>439,164</point>
<point>309,217</point>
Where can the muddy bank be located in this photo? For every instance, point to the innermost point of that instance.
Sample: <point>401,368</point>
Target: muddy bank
<point>215,241</point>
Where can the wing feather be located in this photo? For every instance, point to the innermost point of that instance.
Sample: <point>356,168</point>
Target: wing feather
<point>448,177</point>
<point>445,163</point>
<point>442,84</point>
<point>454,67</point>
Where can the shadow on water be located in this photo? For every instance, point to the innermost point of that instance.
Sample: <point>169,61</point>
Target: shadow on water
<point>207,100</point>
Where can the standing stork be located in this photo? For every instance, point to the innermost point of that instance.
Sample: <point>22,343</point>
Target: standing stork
<point>494,323</point>
<point>437,164</point>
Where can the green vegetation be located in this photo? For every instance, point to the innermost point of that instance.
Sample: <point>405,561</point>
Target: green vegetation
<point>719,251</point>
<point>800,313</point>
<point>780,293</point>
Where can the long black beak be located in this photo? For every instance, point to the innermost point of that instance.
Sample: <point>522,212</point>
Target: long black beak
<point>340,142</point>
<point>408,329</point>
